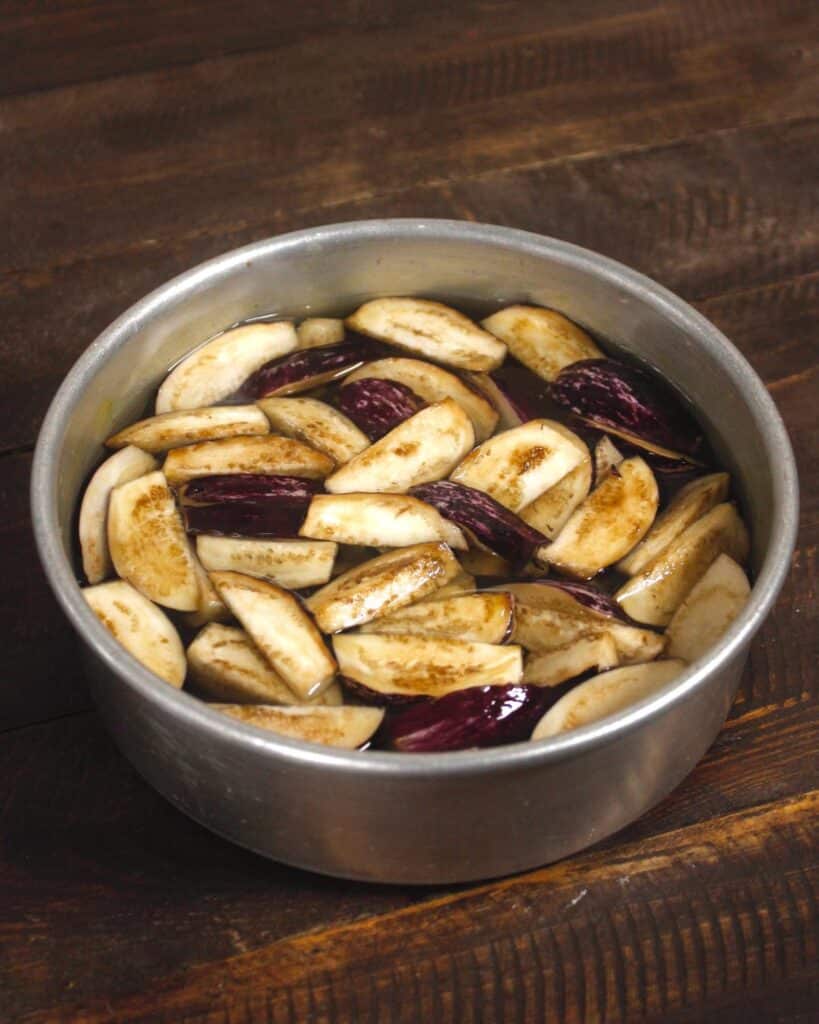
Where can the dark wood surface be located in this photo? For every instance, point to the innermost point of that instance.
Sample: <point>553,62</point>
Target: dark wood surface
<point>139,139</point>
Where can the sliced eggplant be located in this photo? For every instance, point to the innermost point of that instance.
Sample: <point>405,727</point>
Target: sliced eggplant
<point>347,727</point>
<point>690,503</point>
<point>605,695</point>
<point>281,629</point>
<point>432,384</point>
<point>542,339</point>
<point>319,331</point>
<point>514,402</point>
<point>430,329</point>
<point>615,516</point>
<point>120,468</point>
<point>654,594</point>
<point>215,370</point>
<point>306,369</point>
<point>382,586</point>
<point>211,607</point>
<point>484,618</point>
<point>564,663</point>
<point>172,429</point>
<point>424,448</point>
<point>378,520</point>
<point>550,511</point>
<point>148,544</point>
<point>377,406</point>
<point>423,666</point>
<point>144,630</point>
<point>267,455</point>
<point>289,563</point>
<point>709,609</point>
<point>463,583</point>
<point>516,466</point>
<point>587,594</point>
<point>607,458</point>
<point>247,504</point>
<point>317,424</point>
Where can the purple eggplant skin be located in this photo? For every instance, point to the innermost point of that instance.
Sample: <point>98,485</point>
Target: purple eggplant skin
<point>586,594</point>
<point>302,370</point>
<point>618,396</point>
<point>376,405</point>
<point>247,504</point>
<point>494,526</point>
<point>248,487</point>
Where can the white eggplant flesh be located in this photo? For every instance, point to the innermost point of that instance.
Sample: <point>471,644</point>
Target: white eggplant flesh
<point>316,423</point>
<point>483,618</point>
<point>542,339</point>
<point>144,630</point>
<point>159,434</point>
<point>378,520</point>
<point>433,384</point>
<point>216,369</point>
<point>429,329</point>
<point>269,455</point>
<point>688,505</point>
<point>607,457</point>
<point>709,609</point>
<point>424,666</point>
<point>463,583</point>
<point>612,519</point>
<point>424,448</point>
<point>318,331</point>
<point>605,695</point>
<point>653,595</point>
<point>148,543</point>
<point>282,630</point>
<point>120,468</point>
<point>382,586</point>
<point>564,663</point>
<point>516,466</point>
<point>348,727</point>
<point>289,563</point>
<point>550,511</point>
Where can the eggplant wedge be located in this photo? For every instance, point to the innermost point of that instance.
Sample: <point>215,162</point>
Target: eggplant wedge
<point>347,727</point>
<point>216,369</point>
<point>653,595</point>
<point>688,505</point>
<point>211,607</point>
<point>550,511</point>
<point>173,429</point>
<point>424,448</point>
<point>270,455</point>
<point>709,609</point>
<point>120,468</point>
<point>463,583</point>
<point>148,544</point>
<point>378,520</point>
<point>382,586</point>
<point>421,666</point>
<point>483,618</point>
<point>516,466</point>
<point>319,331</point>
<point>289,563</point>
<point>615,516</point>
<point>317,424</point>
<point>607,458</point>
<point>605,695</point>
<point>564,663</point>
<point>378,406</point>
<point>433,384</point>
<point>144,630</point>
<point>281,629</point>
<point>542,339</point>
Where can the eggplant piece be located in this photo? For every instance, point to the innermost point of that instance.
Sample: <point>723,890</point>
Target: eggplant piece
<point>306,369</point>
<point>268,455</point>
<point>550,511</point>
<point>588,595</point>
<point>630,402</point>
<point>606,695</point>
<point>517,394</point>
<point>144,630</point>
<point>210,607</point>
<point>282,630</point>
<point>494,527</point>
<point>615,516</point>
<point>247,504</point>
<point>606,459</point>
<point>289,563</point>
<point>148,545</point>
<point>215,370</point>
<point>484,618</point>
<point>516,466</point>
<point>688,505</point>
<point>320,331</point>
<point>432,384</point>
<point>382,586</point>
<point>423,666</point>
<point>237,488</point>
<point>542,339</point>
<point>122,467</point>
<point>377,406</point>
<point>655,593</point>
<point>430,329</point>
<point>564,663</point>
<point>346,727</point>
<point>317,424</point>
<point>463,583</point>
<point>482,716</point>
<point>159,434</point>
<point>709,609</point>
<point>424,448</point>
<point>378,520</point>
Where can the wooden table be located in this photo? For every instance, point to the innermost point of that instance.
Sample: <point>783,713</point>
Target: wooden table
<point>139,139</point>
